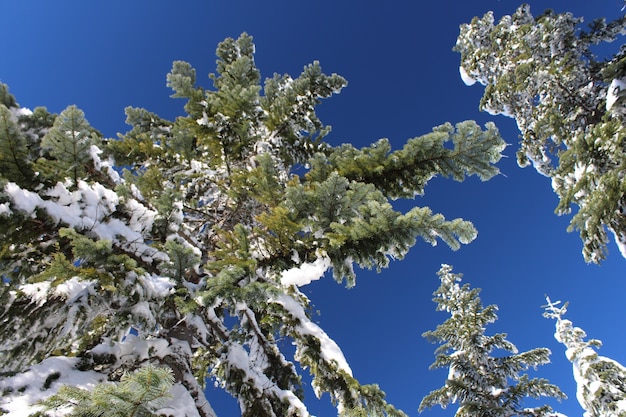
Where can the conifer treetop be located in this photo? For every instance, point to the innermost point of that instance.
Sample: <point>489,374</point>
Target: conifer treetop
<point>600,381</point>
<point>481,384</point>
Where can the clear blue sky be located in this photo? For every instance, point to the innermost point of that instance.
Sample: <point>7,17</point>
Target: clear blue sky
<point>403,79</point>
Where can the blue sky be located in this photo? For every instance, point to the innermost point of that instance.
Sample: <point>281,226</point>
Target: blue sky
<point>403,80</point>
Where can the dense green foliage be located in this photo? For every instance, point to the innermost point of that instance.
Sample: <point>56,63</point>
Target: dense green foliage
<point>182,243</point>
<point>568,105</point>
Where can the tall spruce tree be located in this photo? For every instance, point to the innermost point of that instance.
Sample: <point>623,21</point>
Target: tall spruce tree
<point>569,107</point>
<point>192,258</point>
<point>601,382</point>
<point>483,385</point>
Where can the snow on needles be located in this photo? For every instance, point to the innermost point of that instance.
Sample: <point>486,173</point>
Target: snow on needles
<point>37,292</point>
<point>306,273</point>
<point>89,207</point>
<point>330,351</point>
<point>238,358</point>
<point>613,93</point>
<point>42,380</point>
<point>73,288</point>
<point>467,79</point>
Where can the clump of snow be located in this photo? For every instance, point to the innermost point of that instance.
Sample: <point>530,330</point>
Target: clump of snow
<point>17,112</point>
<point>155,286</point>
<point>142,217</point>
<point>23,199</point>
<point>617,85</point>
<point>74,288</point>
<point>580,170</point>
<point>306,273</point>
<point>142,309</point>
<point>467,79</point>
<point>204,120</point>
<point>621,244</point>
<point>37,292</point>
<point>41,381</point>
<point>329,350</point>
<point>180,404</point>
<point>133,349</point>
<point>104,166</point>
<point>503,109</point>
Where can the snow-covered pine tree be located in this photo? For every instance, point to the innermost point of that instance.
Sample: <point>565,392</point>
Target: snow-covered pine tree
<point>193,257</point>
<point>483,385</point>
<point>601,381</point>
<point>568,105</point>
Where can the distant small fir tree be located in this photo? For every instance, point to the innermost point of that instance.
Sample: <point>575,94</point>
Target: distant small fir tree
<point>601,381</point>
<point>481,384</point>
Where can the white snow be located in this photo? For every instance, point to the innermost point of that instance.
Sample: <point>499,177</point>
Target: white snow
<point>142,218</point>
<point>134,348</point>
<point>155,286</point>
<point>503,109</point>
<point>104,166</point>
<point>595,386</point>
<point>329,350</point>
<point>23,199</point>
<point>621,245</point>
<point>467,79</point>
<point>204,120</point>
<point>16,112</point>
<point>142,309</point>
<point>89,208</point>
<point>306,273</point>
<point>37,292</point>
<point>23,111</point>
<point>580,169</point>
<point>237,357</point>
<point>453,373</point>
<point>617,86</point>
<point>73,288</point>
<point>181,403</point>
<point>28,387</point>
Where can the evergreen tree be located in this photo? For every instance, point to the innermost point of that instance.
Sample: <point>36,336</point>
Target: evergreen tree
<point>569,107</point>
<point>21,131</point>
<point>192,258</point>
<point>14,162</point>
<point>68,144</point>
<point>601,382</point>
<point>482,385</point>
